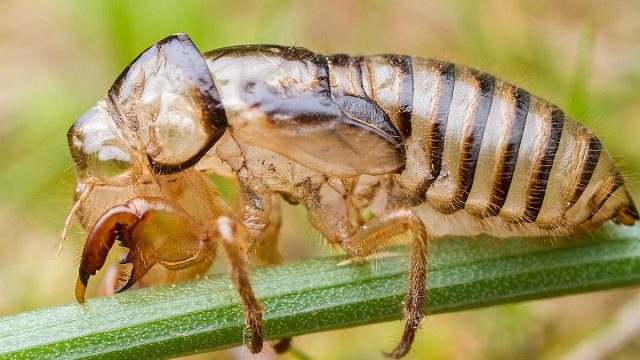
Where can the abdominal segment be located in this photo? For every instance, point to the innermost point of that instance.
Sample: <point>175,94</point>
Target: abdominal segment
<point>484,156</point>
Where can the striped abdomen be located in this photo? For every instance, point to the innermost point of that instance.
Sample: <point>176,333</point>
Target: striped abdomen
<point>487,147</point>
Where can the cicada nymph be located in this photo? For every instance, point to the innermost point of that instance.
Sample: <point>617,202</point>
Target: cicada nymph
<point>425,148</point>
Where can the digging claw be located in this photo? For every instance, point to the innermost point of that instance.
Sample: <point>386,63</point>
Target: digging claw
<point>152,229</point>
<point>138,269</point>
<point>81,286</point>
<point>99,242</point>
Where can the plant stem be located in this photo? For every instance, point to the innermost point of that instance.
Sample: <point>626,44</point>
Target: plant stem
<point>318,294</point>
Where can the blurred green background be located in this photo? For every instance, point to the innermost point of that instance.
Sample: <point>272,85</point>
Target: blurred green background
<point>58,58</point>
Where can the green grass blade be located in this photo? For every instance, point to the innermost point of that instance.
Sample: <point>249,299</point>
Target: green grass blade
<point>318,295</point>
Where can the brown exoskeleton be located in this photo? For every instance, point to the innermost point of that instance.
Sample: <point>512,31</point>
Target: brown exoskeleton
<point>429,148</point>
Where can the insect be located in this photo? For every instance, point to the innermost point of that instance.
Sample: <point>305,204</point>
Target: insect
<point>374,147</point>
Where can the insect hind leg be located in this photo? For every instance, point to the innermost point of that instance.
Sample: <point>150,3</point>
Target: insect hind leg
<point>375,234</point>
<point>627,214</point>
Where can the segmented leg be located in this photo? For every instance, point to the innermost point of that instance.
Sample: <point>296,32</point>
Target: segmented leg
<point>375,234</point>
<point>254,203</point>
<point>267,254</point>
<point>226,231</point>
<point>149,228</point>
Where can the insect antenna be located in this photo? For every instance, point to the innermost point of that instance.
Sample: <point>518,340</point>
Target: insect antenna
<point>74,210</point>
<point>72,165</point>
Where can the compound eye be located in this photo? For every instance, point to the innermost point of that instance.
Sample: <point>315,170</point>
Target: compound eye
<point>98,149</point>
<point>112,165</point>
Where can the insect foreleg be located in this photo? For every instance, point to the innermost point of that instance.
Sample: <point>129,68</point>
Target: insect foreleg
<point>155,231</point>
<point>226,230</point>
<point>377,233</point>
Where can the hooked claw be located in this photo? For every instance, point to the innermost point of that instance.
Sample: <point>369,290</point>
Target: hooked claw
<point>152,229</point>
<point>100,241</point>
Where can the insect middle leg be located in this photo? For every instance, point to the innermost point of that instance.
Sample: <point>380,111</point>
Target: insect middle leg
<point>375,234</point>
<point>265,244</point>
<point>226,230</point>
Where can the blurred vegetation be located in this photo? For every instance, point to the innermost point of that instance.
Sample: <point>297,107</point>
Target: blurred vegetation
<point>58,58</point>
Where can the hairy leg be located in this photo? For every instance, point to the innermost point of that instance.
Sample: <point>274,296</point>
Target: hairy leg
<point>260,213</point>
<point>267,254</point>
<point>375,234</point>
<point>226,231</point>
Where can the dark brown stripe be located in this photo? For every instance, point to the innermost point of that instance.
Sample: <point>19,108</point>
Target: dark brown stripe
<point>322,72</point>
<point>631,209</point>
<point>339,59</point>
<point>470,149</point>
<point>438,127</point>
<point>588,167</point>
<point>508,159</point>
<point>542,167</point>
<point>405,91</point>
<point>618,181</point>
